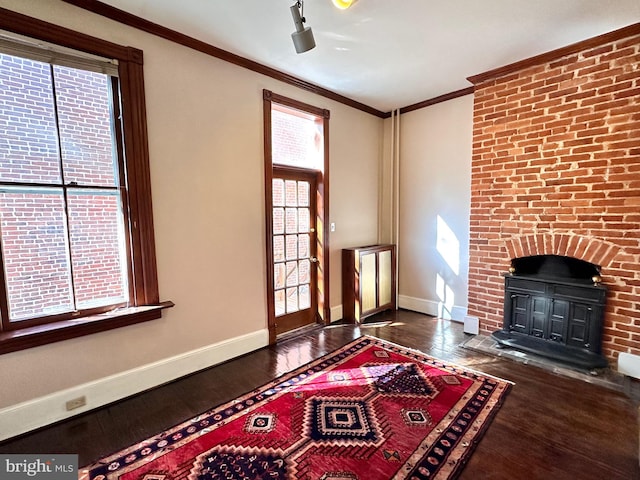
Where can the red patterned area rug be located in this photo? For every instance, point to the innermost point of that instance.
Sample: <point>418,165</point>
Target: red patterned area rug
<point>369,410</point>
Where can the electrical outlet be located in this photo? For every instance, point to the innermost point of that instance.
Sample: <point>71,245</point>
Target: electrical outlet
<point>76,403</point>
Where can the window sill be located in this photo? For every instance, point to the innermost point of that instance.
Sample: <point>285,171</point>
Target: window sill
<point>22,339</point>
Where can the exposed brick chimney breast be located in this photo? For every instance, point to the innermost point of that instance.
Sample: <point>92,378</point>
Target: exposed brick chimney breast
<point>556,170</point>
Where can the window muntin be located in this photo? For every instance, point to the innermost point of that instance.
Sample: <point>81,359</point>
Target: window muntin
<point>62,221</point>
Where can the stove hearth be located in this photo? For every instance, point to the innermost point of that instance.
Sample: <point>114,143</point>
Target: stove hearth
<point>554,307</point>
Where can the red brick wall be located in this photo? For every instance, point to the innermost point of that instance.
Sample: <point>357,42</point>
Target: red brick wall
<point>556,170</point>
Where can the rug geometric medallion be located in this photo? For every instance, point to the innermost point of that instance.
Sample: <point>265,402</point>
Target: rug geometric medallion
<point>371,410</point>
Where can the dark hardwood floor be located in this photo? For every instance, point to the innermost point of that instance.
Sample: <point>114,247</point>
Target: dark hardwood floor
<point>550,427</point>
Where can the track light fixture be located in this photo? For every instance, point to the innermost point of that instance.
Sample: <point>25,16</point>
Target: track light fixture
<point>303,36</point>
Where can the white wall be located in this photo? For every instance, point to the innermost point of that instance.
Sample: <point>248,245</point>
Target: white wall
<point>435,186</point>
<point>206,148</point>
<point>354,173</point>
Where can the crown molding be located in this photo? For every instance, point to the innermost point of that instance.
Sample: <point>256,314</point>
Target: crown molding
<point>619,34</point>
<point>139,23</point>
<point>439,99</point>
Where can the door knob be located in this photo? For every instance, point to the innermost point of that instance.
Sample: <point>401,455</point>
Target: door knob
<point>314,259</point>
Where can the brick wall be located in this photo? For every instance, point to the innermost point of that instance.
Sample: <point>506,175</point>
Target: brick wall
<point>556,170</point>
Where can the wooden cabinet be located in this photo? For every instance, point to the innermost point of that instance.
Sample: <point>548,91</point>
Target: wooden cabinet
<point>368,281</point>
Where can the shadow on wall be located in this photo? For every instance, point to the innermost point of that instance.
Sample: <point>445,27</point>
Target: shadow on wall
<point>448,246</point>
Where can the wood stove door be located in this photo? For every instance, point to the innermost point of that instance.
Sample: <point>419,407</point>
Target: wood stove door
<point>558,320</point>
<point>539,307</point>
<point>581,317</point>
<point>520,317</point>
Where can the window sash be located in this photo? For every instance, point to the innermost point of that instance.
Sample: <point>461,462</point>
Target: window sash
<point>9,321</point>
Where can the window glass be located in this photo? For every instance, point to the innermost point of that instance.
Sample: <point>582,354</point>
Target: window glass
<point>28,136</point>
<point>97,248</point>
<point>297,138</point>
<point>84,121</point>
<point>35,252</point>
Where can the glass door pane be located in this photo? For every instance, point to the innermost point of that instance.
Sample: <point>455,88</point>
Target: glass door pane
<point>291,245</point>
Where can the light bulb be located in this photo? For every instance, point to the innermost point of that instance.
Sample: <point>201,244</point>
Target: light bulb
<point>342,4</point>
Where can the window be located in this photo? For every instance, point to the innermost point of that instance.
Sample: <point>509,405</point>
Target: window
<point>76,232</point>
<point>297,138</point>
<point>62,223</point>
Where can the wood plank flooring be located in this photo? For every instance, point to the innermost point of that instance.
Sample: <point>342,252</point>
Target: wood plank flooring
<point>550,427</point>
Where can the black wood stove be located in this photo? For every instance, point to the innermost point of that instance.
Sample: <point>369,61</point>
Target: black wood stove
<point>554,307</point>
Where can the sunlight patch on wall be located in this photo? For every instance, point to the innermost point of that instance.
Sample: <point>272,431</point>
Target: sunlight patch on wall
<point>448,245</point>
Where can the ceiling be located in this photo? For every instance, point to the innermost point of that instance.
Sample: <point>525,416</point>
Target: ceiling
<point>389,54</point>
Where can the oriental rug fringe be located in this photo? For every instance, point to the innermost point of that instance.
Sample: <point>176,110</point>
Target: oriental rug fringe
<point>371,410</point>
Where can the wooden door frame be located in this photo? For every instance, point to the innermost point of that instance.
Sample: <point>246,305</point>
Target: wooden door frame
<point>322,210</point>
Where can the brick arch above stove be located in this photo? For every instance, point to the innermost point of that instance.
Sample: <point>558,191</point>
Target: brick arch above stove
<point>590,249</point>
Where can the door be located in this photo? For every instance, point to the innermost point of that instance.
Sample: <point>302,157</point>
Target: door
<point>558,320</point>
<point>293,288</point>
<point>539,316</point>
<point>368,282</point>
<point>520,313</point>
<point>376,281</point>
<point>579,322</point>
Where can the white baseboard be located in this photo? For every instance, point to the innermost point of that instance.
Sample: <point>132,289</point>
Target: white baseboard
<point>39,412</point>
<point>336,313</point>
<point>431,307</point>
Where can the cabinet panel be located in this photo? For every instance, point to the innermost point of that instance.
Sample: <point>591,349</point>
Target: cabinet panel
<point>524,284</point>
<point>368,281</point>
<point>558,320</point>
<point>520,313</point>
<point>579,293</point>
<point>368,284</point>
<point>539,317</point>
<point>579,320</point>
<point>385,277</point>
